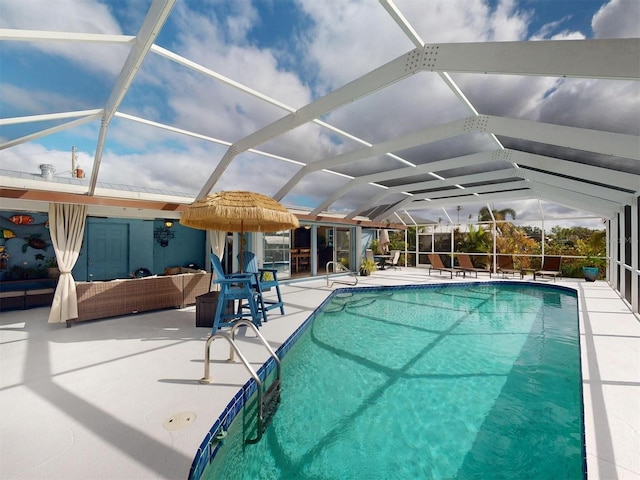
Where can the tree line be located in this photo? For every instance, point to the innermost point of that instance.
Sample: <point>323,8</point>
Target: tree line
<point>523,242</point>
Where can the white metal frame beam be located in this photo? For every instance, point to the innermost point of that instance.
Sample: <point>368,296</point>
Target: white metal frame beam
<point>614,59</point>
<point>580,183</point>
<point>583,139</point>
<point>432,184</point>
<point>199,136</point>
<point>151,26</point>
<point>604,193</point>
<point>48,117</point>
<point>471,199</point>
<point>448,182</point>
<point>52,130</point>
<point>578,172</point>
<point>403,66</point>
<point>582,171</point>
<point>410,32</point>
<point>607,143</point>
<point>453,195</point>
<point>422,137</point>
<point>593,198</point>
<point>185,62</point>
<point>52,36</point>
<point>534,190</point>
<point>576,200</point>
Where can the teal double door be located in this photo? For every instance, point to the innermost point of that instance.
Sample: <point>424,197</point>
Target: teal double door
<point>107,250</point>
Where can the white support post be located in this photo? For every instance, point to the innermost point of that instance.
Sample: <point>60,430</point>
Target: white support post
<point>622,288</point>
<point>635,260</point>
<point>543,238</point>
<point>613,259</point>
<point>608,267</point>
<point>358,257</point>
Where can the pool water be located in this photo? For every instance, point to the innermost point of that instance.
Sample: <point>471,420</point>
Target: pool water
<point>479,381</point>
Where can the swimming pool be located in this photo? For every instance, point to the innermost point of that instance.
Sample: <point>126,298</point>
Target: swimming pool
<point>448,381</point>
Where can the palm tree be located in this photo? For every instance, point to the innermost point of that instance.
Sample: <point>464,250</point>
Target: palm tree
<point>484,215</point>
<point>474,241</point>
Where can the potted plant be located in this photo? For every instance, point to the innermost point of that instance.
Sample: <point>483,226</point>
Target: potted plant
<point>367,267</point>
<point>591,268</point>
<point>590,274</point>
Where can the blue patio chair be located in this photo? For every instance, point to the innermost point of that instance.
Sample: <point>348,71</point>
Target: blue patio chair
<point>236,286</point>
<point>263,280</point>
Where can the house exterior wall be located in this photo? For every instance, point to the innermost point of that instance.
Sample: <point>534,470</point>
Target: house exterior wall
<point>28,245</point>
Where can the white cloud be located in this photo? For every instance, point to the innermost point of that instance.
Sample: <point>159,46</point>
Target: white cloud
<point>229,112</point>
<point>88,16</point>
<point>443,21</point>
<point>35,101</point>
<point>580,103</point>
<point>349,39</point>
<point>28,157</point>
<point>617,19</point>
<point>341,45</point>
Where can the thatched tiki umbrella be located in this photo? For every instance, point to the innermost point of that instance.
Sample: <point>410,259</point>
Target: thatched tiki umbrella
<point>238,211</point>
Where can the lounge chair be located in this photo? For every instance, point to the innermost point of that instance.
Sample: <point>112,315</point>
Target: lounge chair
<point>550,268</point>
<point>436,264</point>
<point>465,264</point>
<point>505,265</point>
<point>393,260</point>
<point>264,279</point>
<point>236,286</point>
<point>368,255</point>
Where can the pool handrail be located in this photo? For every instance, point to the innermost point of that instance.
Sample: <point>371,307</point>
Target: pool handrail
<point>273,393</point>
<point>338,267</point>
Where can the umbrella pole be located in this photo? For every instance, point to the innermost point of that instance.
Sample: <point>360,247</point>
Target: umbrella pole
<point>241,246</point>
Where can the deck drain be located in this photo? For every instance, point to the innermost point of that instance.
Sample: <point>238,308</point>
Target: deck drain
<point>178,421</point>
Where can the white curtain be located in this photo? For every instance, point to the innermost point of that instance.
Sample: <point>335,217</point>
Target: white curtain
<point>217,242</point>
<point>66,226</point>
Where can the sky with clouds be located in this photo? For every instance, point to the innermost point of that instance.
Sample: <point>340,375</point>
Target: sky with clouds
<point>293,52</point>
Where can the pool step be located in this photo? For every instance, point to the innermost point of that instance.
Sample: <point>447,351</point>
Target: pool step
<point>270,403</point>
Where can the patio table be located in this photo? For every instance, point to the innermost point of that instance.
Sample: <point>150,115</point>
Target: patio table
<point>381,260</point>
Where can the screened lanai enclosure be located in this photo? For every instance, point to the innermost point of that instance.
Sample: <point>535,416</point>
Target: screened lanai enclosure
<point>408,124</point>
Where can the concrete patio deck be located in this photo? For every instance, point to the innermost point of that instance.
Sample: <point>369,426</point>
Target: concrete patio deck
<point>120,398</point>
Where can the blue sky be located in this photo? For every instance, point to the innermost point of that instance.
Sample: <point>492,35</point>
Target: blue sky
<point>292,51</point>
<point>571,15</point>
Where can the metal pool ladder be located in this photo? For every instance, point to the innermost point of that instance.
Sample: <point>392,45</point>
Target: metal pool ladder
<point>269,400</point>
<point>340,268</point>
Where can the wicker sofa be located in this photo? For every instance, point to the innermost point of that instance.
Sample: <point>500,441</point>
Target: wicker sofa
<point>26,293</point>
<point>126,296</point>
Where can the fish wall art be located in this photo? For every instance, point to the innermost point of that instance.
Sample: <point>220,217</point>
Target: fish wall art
<point>6,233</point>
<point>23,234</point>
<point>21,219</point>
